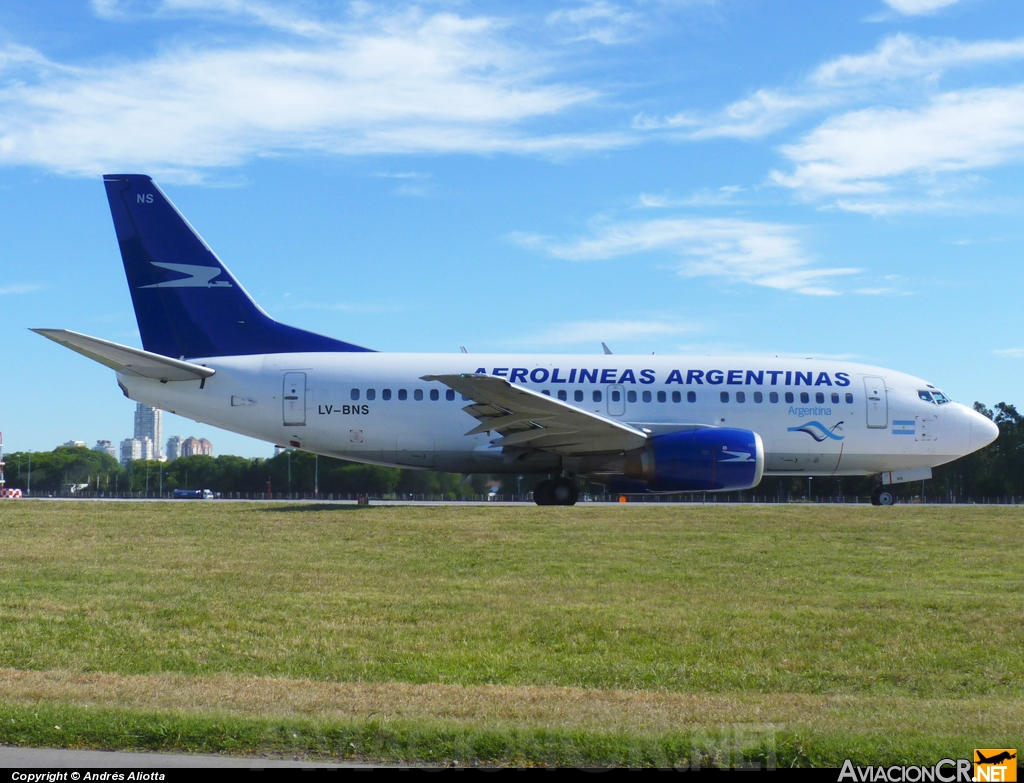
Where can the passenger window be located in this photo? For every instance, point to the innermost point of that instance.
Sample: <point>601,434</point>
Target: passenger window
<point>758,397</point>
<point>616,395</point>
<point>805,397</point>
<point>691,396</point>
<point>562,395</point>
<point>631,396</point>
<point>662,397</point>
<point>724,396</point>
<point>435,394</point>
<point>385,394</point>
<point>773,397</point>
<point>647,396</point>
<point>677,396</point>
<point>835,397</point>
<point>597,396</point>
<point>465,398</point>
<point>371,394</point>
<point>741,397</point>
<point>849,398</point>
<point>546,391</point>
<point>578,395</point>
<point>355,394</point>
<point>789,396</point>
<point>418,394</point>
<point>819,398</point>
<point>449,395</point>
<point>403,394</point>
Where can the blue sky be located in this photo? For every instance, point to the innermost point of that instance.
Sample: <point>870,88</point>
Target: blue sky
<point>775,177</point>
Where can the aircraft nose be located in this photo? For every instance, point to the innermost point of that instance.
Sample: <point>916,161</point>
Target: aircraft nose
<point>983,431</point>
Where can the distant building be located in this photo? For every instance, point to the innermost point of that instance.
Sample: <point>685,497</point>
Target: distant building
<point>131,449</point>
<point>173,447</point>
<point>149,424</point>
<point>136,448</point>
<point>192,447</point>
<point>107,447</point>
<point>74,443</point>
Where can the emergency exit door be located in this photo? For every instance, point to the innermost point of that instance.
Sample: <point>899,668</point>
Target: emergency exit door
<point>616,400</point>
<point>294,399</point>
<point>877,401</point>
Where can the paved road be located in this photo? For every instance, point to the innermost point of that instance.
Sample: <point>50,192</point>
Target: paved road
<point>52,758</point>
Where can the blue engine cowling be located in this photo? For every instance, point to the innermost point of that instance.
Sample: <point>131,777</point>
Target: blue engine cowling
<point>712,459</point>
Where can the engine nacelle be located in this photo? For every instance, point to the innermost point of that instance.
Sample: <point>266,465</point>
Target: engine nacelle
<point>710,459</point>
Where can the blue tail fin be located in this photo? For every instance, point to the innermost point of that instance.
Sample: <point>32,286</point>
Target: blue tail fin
<point>186,301</point>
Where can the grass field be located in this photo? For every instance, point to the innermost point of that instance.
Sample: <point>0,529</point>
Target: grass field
<point>666,635</point>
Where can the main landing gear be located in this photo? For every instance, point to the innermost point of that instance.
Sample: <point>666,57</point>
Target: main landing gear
<point>881,496</point>
<point>556,492</point>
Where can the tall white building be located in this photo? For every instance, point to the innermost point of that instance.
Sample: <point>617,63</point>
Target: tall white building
<point>149,424</point>
<point>131,449</point>
<point>136,448</point>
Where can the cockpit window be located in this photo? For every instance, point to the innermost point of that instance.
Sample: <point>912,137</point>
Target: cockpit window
<point>934,396</point>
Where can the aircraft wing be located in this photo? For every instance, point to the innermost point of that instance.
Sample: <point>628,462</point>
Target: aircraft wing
<point>526,419</point>
<point>130,361</point>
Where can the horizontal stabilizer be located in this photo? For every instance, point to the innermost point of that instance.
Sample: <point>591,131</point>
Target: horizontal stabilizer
<point>130,361</point>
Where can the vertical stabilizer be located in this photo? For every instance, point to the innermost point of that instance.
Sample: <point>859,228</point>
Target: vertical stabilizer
<point>186,301</point>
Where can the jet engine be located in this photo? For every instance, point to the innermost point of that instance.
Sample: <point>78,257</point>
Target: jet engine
<point>709,459</point>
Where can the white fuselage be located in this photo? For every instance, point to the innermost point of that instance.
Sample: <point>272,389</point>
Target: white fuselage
<point>814,417</point>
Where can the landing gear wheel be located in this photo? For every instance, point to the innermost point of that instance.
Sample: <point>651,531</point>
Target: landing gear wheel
<point>881,496</point>
<point>565,492</point>
<point>544,493</point>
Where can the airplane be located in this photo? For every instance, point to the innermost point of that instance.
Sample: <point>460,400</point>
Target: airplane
<point>996,759</point>
<point>634,423</point>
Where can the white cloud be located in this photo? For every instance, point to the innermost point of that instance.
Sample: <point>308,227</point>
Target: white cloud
<point>900,60</point>
<point>397,84</point>
<point>701,198</point>
<point>901,56</point>
<point>919,7</point>
<point>763,112</point>
<point>764,254</point>
<point>1012,353</point>
<point>277,16</point>
<point>596,332</point>
<point>863,151</point>
<point>597,20</point>
<point>18,289</point>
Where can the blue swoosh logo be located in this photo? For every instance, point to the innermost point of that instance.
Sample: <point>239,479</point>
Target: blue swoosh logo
<point>817,430</point>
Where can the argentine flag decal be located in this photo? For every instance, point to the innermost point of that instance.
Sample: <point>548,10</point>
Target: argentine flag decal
<point>901,427</point>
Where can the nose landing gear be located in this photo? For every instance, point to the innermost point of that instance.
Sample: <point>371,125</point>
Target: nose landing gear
<point>881,496</point>
<point>556,492</point>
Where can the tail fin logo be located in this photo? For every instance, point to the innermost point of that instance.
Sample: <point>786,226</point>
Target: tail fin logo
<point>198,276</point>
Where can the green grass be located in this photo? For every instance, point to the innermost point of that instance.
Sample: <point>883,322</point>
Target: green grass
<point>823,616</point>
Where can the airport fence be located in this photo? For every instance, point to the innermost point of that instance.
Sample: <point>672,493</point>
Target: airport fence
<point>684,498</point>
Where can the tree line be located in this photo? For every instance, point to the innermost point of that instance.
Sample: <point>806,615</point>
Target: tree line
<point>87,472</point>
<point>993,472</point>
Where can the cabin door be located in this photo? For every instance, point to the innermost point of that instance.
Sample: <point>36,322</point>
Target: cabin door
<point>294,399</point>
<point>877,401</point>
